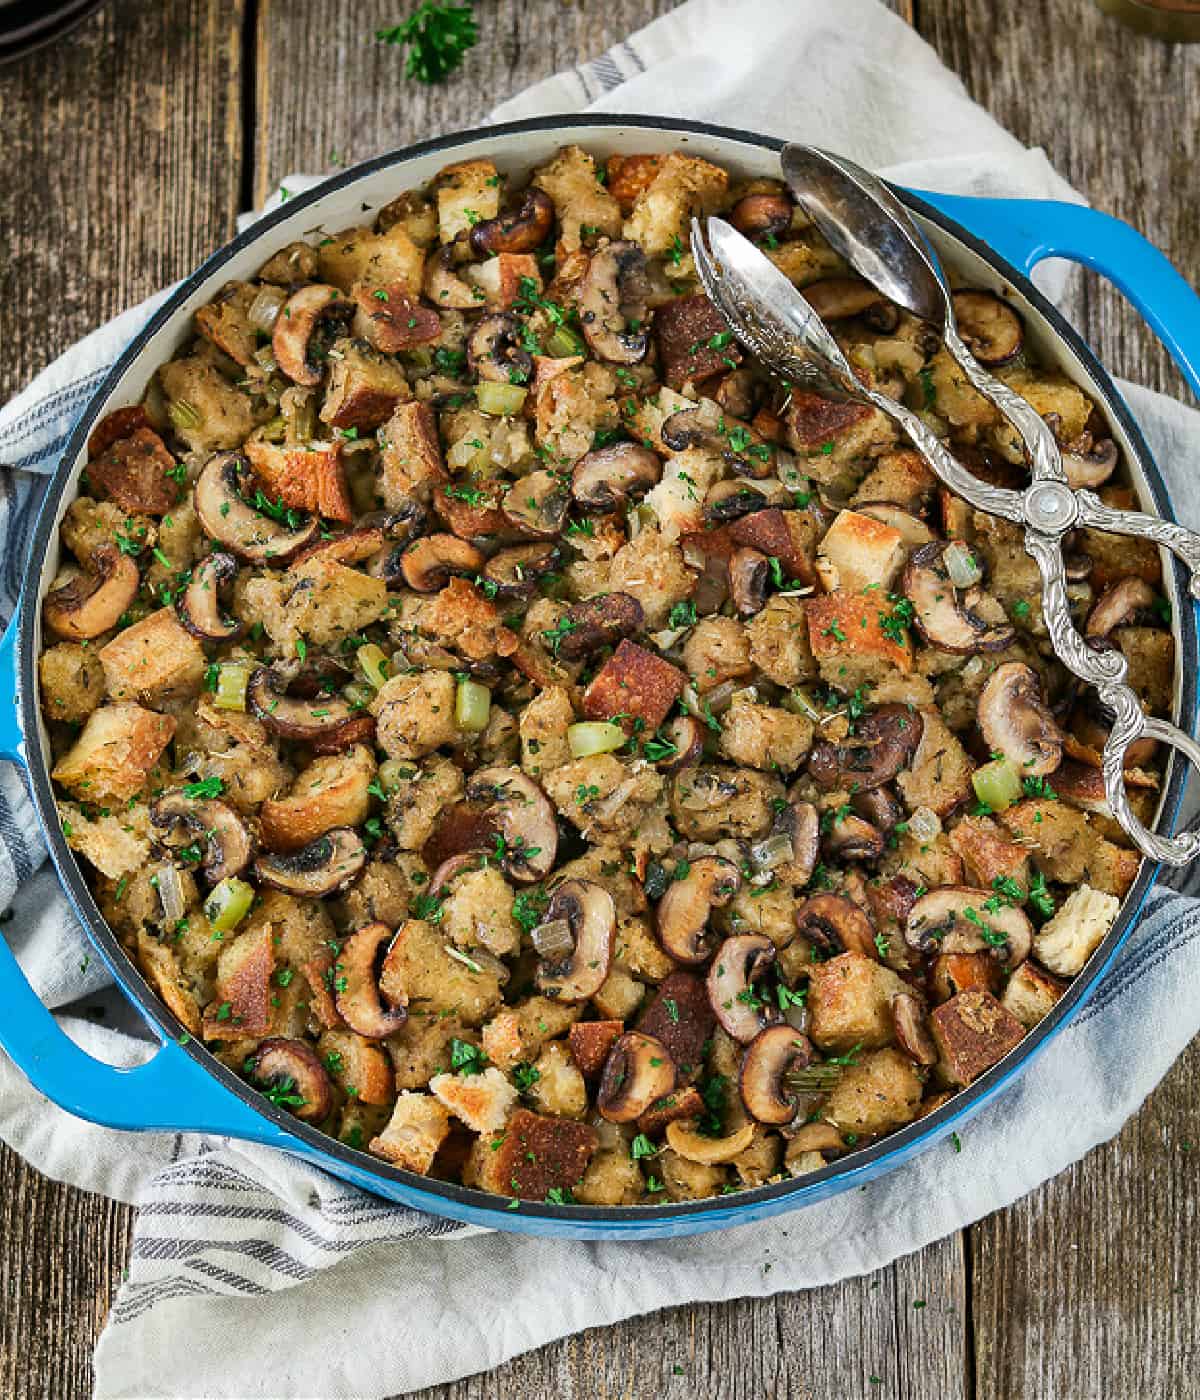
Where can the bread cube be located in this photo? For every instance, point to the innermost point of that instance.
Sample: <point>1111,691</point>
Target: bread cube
<point>590,1042</point>
<point>715,650</point>
<point>1067,940</point>
<point>689,1181</point>
<point>850,1003</point>
<point>160,964</point>
<point>779,644</point>
<point>634,684</point>
<point>419,972</point>
<point>118,747</point>
<point>242,1004</point>
<point>1066,848</point>
<point>482,1101</point>
<point>331,791</point>
<point>418,1127</point>
<point>859,552</point>
<point>360,254</point>
<point>411,456</point>
<point>532,1156</point>
<point>573,184</point>
<point>849,641</point>
<point>467,193</point>
<point>559,1088</point>
<point>517,1033</point>
<point>364,387</point>
<point>939,776</point>
<point>900,476</point>
<point>881,1092</point>
<point>329,601</point>
<point>987,855</point>
<point>499,278</point>
<point>415,713</point>
<point>157,658</point>
<point>1031,994</point>
<point>787,535</point>
<point>543,727</point>
<point>113,843</point>
<point>421,1047</point>
<point>972,1032</point>
<point>682,186</point>
<point>764,736</point>
<point>359,1066</point>
<point>685,331</point>
<point>477,913</point>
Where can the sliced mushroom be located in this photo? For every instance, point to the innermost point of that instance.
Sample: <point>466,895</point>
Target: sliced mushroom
<point>745,451</point>
<point>494,350</point>
<point>521,231</point>
<point>852,837</point>
<point>427,565</point>
<point>749,574</point>
<point>199,606</point>
<point>515,571</point>
<point>637,1073</point>
<point>605,478</point>
<point>882,744</point>
<point>739,394</point>
<point>600,622</point>
<point>444,288</point>
<point>684,910</point>
<point>913,530</point>
<point>614,292</point>
<point>879,806</point>
<point>210,822</point>
<point>1016,721</point>
<point>834,924</point>
<point>321,868</point>
<point>801,823</point>
<point>990,327</point>
<point>1119,606</point>
<point>522,815</point>
<point>685,735</point>
<point>838,298</point>
<point>92,603</point>
<point>684,1138</point>
<point>944,620</point>
<point>356,993</point>
<point>292,1070</point>
<point>591,916</point>
<point>310,321</point>
<point>734,497</point>
<point>326,722</point>
<point>958,919</point>
<point>912,1030</point>
<point>771,1055</point>
<point>537,504</point>
<point>760,214</point>
<point>739,962</point>
<point>817,1137</point>
<point>244,531</point>
<point>1089,463</point>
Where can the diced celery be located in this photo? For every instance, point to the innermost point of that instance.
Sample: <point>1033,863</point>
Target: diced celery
<point>563,342</point>
<point>472,705</point>
<point>593,736</point>
<point>232,679</point>
<point>228,904</point>
<point>182,414</point>
<point>374,664</point>
<point>998,784</point>
<point>498,399</point>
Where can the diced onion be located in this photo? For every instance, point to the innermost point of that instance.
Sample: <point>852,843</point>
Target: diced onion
<point>394,771</point>
<point>498,399</point>
<point>998,784</point>
<point>232,680</point>
<point>170,892</point>
<point>228,904</point>
<point>961,565</point>
<point>925,825</point>
<point>594,736</point>
<point>718,699</point>
<point>264,310</point>
<point>472,706</point>
<point>553,938</point>
<point>462,958</point>
<point>666,639</point>
<point>373,664</point>
<point>466,452</point>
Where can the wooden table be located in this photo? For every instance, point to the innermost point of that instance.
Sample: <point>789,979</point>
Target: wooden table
<point>129,150</point>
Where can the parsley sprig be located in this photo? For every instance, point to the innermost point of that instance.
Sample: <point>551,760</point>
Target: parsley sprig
<point>437,38</point>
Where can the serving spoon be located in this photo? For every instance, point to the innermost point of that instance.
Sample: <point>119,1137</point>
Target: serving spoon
<point>777,325</point>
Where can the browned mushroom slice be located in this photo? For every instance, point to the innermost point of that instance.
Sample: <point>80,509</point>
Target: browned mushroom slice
<point>599,622</point>
<point>882,744</point>
<point>738,963</point>
<point>1090,463</point>
<point>92,603</point>
<point>326,722</point>
<point>591,918</point>
<point>739,394</point>
<point>879,806</point>
<point>289,1073</point>
<point>749,574</point>
<point>321,868</point>
<point>428,564</point>
<point>244,531</point>
<point>1016,722</point>
<point>770,1057</point>
<point>686,1140</point>
<point>309,323</point>
<point>913,530</point>
<point>359,1001</point>
<point>734,498</point>
<point>944,620</point>
<point>494,350</point>
<point>522,815</point>
<point>1119,605</point>
<point>613,294</point>
<point>757,215</point>
<point>522,231</point>
<point>637,1073</point>
<point>834,924</point>
<point>912,1029</point>
<point>684,910</point>
<point>604,479</point>
<point>990,327</point>
<point>199,606</point>
<point>444,288</point>
<point>743,449</point>
<point>851,837</point>
<point>515,571</point>
<point>957,919</point>
<point>837,298</point>
<point>684,738</point>
<point>206,823</point>
<point>537,504</point>
<point>800,823</point>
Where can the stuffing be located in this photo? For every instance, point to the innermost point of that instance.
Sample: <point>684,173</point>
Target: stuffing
<point>382,893</point>
<point>417,1128</point>
<point>1030,994</point>
<point>716,800</point>
<point>858,552</point>
<point>410,456</point>
<point>693,340</point>
<point>154,659</point>
<point>787,535</point>
<point>850,1003</point>
<point>602,795</point>
<point>880,1092</point>
<point>365,388</point>
<point>117,844</point>
<point>226,321</point>
<point>613,1178</point>
<point>517,1033</point>
<point>682,187</point>
<point>209,413</point>
<point>652,569</point>
<point>779,644</point>
<point>573,183</point>
<point>1066,941</point>
<point>715,650</point>
<point>309,478</point>
<point>764,736</point>
<point>72,678</point>
<point>477,913</point>
<point>359,1067</point>
<point>415,713</point>
<point>331,791</point>
<point>161,967</point>
<point>559,1088</point>
<point>856,639</point>
<point>939,776</point>
<point>361,255</point>
<point>420,795</point>
<point>533,1156</point>
<point>543,726</point>
<point>328,601</point>
<point>634,685</point>
<point>972,1032</point>
<point>114,754</point>
<point>1065,848</point>
<point>88,524</point>
<point>482,1101</point>
<point>900,476</point>
<point>421,1047</point>
<point>420,973</point>
<point>987,855</point>
<point>689,1181</point>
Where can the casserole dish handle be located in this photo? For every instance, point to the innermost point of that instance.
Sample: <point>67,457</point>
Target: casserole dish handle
<point>170,1092</point>
<point>1027,231</point>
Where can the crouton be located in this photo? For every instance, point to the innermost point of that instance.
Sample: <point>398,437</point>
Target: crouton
<point>418,1127</point>
<point>421,1047</point>
<point>331,791</point>
<point>360,254</point>
<point>590,1042</point>
<point>517,1033</point>
<point>411,455</point>
<point>88,524</point>
<point>559,1088</point>
<point>501,278</point>
<point>637,949</point>
<point>242,1005</point>
<point>467,193</point>
<point>652,569</point>
<point>717,800</point>
<point>630,176</point>
<point>477,913</point>
<point>209,413</point>
<point>358,1066</point>
<point>858,552</point>
<point>72,681</point>
<point>157,658</point>
<point>573,183</point>
<point>972,1032</point>
<point>415,713</point>
<point>680,1015</point>
<point>693,340</point>
<point>390,320</point>
<point>1068,939</point>
<point>533,1156</point>
<point>543,726</point>
<point>881,1092</point>
<point>1066,848</point>
<point>779,644</point>
<point>619,995</point>
<point>900,476</point>
<point>1150,652</point>
<point>132,472</point>
<point>327,601</point>
<point>681,187</point>
<point>419,972</point>
<point>828,434</point>
<point>295,263</point>
<point>459,616</point>
<point>677,502</point>
<point>987,855</point>
<point>160,965</point>
<point>939,776</point>
<point>613,1178</point>
<point>419,798</point>
<point>787,535</point>
<point>634,684</point>
<point>850,1003</point>
<point>113,755</point>
<point>482,1101</point>
<point>115,844</point>
<point>226,321</point>
<point>1031,994</point>
<point>309,478</point>
<point>364,387</point>
<point>850,641</point>
<point>764,736</point>
<point>715,650</point>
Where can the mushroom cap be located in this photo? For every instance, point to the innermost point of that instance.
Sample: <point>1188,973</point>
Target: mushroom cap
<point>516,570</point>
<point>614,291</point>
<point>589,910</point>
<point>605,478</point>
<point>990,327</point>
<point>598,622</point>
<point>959,919</point>
<point>1119,605</point>
<point>199,606</point>
<point>739,962</point>
<point>357,994</point>
<point>428,562</point>
<point>523,230</point>
<point>749,574</point>
<point>494,350</point>
<point>227,841</point>
<point>329,724</point>
<point>835,924</point>
<point>686,733</point>
<point>537,504</point>
<point>523,816</point>
<point>769,1056</point>
<point>1016,722</point>
<point>882,744</point>
<point>637,1073</point>
<point>323,867</point>
<point>762,213</point>
<point>297,323</point>
<point>684,1139</point>
<point>92,603</point>
<point>293,1066</point>
<point>242,530</point>
<point>1091,465</point>
<point>684,910</point>
<point>852,837</point>
<point>944,620</point>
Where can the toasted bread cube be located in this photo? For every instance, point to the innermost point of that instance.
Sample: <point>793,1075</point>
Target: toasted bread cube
<point>226,321</point>
<point>359,254</point>
<point>688,1181</point>
<point>644,418</point>
<point>415,713</point>
<point>331,791</point>
<point>517,1033</point>
<point>573,183</point>
<point>684,331</point>
<point>559,1088</point>
<point>411,457</point>
<point>478,913</point>
<point>419,972</point>
<point>637,949</point>
<point>900,476</point>
<point>715,650</point>
<point>590,1042</point>
<point>859,552</point>
<point>630,176</point>
<point>119,746</point>
<point>421,1047</point>
<point>295,263</point>
<point>619,996</point>
<point>829,434</point>
<point>225,416</point>
<point>634,684</point>
<point>764,736</point>
<point>329,601</point>
<point>132,471</point>
<point>652,568</point>
<point>468,193</point>
<point>1150,652</point>
<point>881,1092</point>
<point>482,1101</point>
<point>681,187</point>
<point>613,1178</point>
<point>677,502</point>
<point>952,973</point>
<point>310,478</point>
<point>1067,940</point>
<point>532,1156</point>
<point>359,1066</point>
<point>779,644</point>
<point>758,1163</point>
<point>113,843</point>
<point>161,965</point>
<point>499,278</point>
<point>718,800</point>
<point>543,727</point>
<point>972,1032</point>
<point>850,1003</point>
<point>421,795</point>
<point>242,1005</point>
<point>418,1127</point>
<point>364,387</point>
<point>849,641</point>
<point>939,776</point>
<point>156,658</point>
<point>680,1015</point>
<point>1031,994</point>
<point>72,681</point>
<point>459,616</point>
<point>787,535</point>
<point>1066,848</point>
<point>987,855</point>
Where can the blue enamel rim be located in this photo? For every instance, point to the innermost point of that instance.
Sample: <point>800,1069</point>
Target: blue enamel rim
<point>461,1203</point>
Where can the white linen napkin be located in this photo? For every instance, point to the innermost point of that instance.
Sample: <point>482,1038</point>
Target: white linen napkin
<point>254,1275</point>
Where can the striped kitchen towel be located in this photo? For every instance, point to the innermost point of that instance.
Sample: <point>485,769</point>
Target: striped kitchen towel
<point>253,1274</point>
